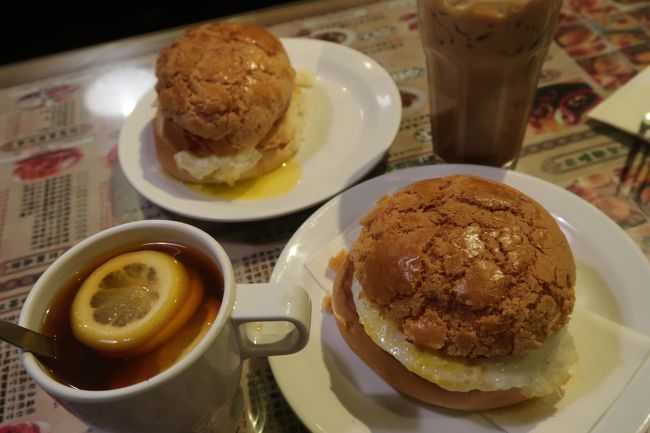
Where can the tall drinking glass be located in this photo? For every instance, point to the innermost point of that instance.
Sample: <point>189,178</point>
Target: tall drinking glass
<point>484,58</point>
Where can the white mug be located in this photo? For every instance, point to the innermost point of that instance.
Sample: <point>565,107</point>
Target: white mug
<point>200,392</point>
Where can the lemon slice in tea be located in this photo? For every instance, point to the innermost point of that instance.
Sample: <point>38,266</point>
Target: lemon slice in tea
<point>128,300</point>
<point>194,297</point>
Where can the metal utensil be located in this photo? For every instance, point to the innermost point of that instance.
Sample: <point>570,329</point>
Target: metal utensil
<point>36,343</point>
<point>639,158</point>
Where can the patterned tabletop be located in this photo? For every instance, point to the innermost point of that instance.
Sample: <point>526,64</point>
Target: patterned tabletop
<point>60,181</point>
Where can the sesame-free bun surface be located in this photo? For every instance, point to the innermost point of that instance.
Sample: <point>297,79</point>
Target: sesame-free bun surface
<point>225,83</point>
<point>466,266</point>
<point>391,370</point>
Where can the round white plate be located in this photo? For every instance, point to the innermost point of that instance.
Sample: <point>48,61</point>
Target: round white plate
<point>341,394</point>
<point>353,113</point>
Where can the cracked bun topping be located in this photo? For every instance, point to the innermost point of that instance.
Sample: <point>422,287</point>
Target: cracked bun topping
<point>466,266</point>
<point>225,84</point>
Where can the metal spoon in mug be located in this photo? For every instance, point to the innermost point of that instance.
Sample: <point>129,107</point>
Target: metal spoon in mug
<point>37,343</point>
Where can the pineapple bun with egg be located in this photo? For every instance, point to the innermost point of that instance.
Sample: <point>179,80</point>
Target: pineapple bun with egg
<point>228,105</point>
<point>456,273</point>
<point>467,266</point>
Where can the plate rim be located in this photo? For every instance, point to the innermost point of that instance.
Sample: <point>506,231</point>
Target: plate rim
<point>402,178</point>
<point>391,118</point>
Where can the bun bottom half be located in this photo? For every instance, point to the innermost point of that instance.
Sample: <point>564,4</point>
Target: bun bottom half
<point>280,144</point>
<point>391,370</point>
<point>166,149</point>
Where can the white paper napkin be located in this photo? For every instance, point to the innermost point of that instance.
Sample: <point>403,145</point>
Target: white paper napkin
<point>318,264</point>
<point>301,58</point>
<point>609,356</point>
<point>625,108</point>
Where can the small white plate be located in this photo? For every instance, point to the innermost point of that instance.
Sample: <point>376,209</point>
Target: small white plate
<point>341,394</point>
<point>353,113</point>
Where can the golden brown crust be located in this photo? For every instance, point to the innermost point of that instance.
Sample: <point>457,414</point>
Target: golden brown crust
<point>467,266</point>
<point>225,82</point>
<point>391,370</point>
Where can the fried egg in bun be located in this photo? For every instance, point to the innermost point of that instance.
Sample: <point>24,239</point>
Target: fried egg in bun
<point>457,292</point>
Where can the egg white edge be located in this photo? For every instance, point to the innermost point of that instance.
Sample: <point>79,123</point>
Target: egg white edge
<point>538,373</point>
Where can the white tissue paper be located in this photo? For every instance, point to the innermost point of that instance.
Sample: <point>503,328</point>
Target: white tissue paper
<point>625,108</point>
<point>609,355</point>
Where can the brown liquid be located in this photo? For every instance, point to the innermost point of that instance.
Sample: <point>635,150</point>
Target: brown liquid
<point>92,371</point>
<point>484,59</point>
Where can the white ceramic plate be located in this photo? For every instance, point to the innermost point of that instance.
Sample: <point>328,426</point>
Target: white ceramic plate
<point>341,394</point>
<point>354,111</point>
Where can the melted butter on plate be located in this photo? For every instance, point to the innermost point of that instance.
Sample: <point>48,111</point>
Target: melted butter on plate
<point>279,181</point>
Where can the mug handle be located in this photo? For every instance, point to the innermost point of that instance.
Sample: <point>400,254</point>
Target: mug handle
<point>273,302</point>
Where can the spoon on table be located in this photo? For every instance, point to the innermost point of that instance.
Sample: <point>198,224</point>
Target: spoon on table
<point>37,343</point>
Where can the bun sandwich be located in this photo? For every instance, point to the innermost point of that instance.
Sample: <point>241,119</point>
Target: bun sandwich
<point>457,293</point>
<point>228,105</point>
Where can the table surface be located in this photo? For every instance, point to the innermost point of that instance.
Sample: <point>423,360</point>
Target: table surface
<point>60,181</point>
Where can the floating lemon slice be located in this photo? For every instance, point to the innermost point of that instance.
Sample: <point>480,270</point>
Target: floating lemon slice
<point>129,301</point>
<point>180,319</point>
<point>144,367</point>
